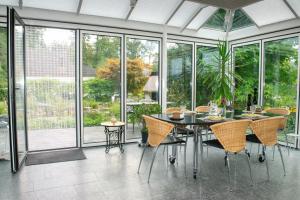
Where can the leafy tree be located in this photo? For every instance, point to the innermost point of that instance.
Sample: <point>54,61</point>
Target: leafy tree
<point>136,74</point>
<point>99,89</point>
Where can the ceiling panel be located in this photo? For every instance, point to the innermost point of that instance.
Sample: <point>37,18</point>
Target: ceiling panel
<point>268,12</point>
<point>154,11</point>
<point>65,5</point>
<point>184,13</point>
<point>295,4</point>
<point>106,8</point>
<point>202,17</point>
<point>9,2</point>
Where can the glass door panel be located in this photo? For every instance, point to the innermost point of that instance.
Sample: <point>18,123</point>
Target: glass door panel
<point>101,84</point>
<point>246,66</point>
<point>17,91</point>
<point>206,59</point>
<point>281,72</point>
<point>20,89</point>
<point>142,68</point>
<point>51,88</point>
<point>179,74</point>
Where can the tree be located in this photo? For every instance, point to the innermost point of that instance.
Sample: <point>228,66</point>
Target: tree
<point>137,74</point>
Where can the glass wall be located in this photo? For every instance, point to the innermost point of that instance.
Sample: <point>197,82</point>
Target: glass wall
<point>51,85</point>
<point>246,66</point>
<point>205,61</point>
<point>281,72</point>
<point>179,74</point>
<point>101,82</point>
<point>142,72</point>
<point>4,131</point>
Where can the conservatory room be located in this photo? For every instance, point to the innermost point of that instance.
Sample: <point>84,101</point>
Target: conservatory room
<point>149,99</point>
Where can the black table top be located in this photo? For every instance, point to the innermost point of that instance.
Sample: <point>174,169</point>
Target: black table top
<point>199,119</point>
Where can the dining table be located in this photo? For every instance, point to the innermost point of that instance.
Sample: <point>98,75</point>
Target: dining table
<point>200,122</point>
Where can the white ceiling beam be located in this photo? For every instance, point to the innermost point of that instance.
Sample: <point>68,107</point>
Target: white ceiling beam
<point>212,14</point>
<point>192,18</point>
<point>291,8</point>
<point>174,12</point>
<point>79,7</point>
<point>132,6</point>
<point>20,4</point>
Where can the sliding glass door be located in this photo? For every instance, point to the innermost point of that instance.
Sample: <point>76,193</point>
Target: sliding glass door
<point>206,59</point>
<point>142,79</point>
<point>51,88</point>
<point>179,74</point>
<point>246,66</point>
<point>17,89</point>
<point>101,83</point>
<point>281,77</point>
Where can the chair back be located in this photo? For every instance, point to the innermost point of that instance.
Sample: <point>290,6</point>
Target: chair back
<point>157,130</point>
<point>202,109</point>
<point>232,135</point>
<point>171,110</point>
<point>266,129</point>
<point>278,111</point>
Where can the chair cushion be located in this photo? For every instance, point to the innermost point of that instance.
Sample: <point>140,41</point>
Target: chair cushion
<point>170,139</point>
<point>252,138</point>
<point>214,143</point>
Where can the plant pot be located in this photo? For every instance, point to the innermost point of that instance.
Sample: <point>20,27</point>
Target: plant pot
<point>144,134</point>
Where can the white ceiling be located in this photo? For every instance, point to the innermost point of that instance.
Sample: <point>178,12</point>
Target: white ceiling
<point>187,13</point>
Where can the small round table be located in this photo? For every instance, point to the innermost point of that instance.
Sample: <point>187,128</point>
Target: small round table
<point>113,133</point>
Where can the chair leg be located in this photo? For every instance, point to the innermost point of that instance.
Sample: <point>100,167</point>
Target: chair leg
<point>206,132</point>
<point>249,166</point>
<point>266,161</point>
<point>153,158</point>
<point>185,146</point>
<point>279,149</point>
<point>287,143</point>
<point>273,152</point>
<point>228,166</point>
<point>258,149</point>
<point>164,149</point>
<point>142,157</point>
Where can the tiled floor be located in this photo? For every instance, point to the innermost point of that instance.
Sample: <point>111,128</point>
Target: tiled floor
<point>113,176</point>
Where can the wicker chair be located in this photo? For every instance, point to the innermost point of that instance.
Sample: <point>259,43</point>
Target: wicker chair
<point>202,109</point>
<point>265,133</point>
<point>231,136</point>
<point>283,129</point>
<point>159,134</point>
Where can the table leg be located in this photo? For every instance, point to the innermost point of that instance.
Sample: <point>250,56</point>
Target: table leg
<point>196,156</point>
<point>107,139</point>
<point>201,141</point>
<point>172,157</point>
<point>121,131</point>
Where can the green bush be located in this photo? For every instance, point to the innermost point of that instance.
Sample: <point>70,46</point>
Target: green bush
<point>93,119</point>
<point>3,108</point>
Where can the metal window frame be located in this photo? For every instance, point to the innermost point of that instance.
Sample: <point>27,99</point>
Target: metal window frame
<point>160,75</point>
<point>297,127</point>
<point>195,69</point>
<point>260,96</point>
<point>99,33</point>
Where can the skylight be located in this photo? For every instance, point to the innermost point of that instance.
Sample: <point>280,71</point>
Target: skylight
<point>217,21</point>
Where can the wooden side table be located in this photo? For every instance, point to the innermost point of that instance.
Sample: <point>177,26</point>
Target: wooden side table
<point>114,133</point>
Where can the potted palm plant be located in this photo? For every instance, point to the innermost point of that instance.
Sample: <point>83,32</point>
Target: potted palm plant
<point>219,78</point>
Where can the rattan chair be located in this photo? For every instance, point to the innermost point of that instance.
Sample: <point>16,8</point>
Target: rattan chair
<point>265,133</point>
<point>159,134</point>
<point>231,136</point>
<point>283,129</point>
<point>202,109</point>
